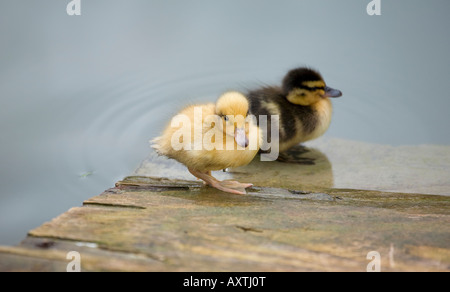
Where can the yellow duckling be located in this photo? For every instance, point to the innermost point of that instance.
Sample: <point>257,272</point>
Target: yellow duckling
<point>213,137</point>
<point>302,104</point>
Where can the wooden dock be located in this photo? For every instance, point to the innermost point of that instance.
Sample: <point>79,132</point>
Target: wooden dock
<point>294,220</point>
<point>157,224</point>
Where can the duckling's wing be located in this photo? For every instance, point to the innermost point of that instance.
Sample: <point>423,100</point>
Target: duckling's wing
<point>194,115</point>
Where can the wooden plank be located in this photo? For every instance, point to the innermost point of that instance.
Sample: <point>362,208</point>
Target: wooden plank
<point>151,224</point>
<point>35,254</point>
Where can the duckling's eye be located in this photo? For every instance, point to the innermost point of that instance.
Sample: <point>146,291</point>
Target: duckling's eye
<point>226,118</point>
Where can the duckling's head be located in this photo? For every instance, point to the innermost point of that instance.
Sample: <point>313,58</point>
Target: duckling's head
<point>304,86</point>
<point>232,107</point>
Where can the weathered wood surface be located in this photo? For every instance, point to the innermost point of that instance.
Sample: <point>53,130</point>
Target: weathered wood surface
<point>155,224</point>
<point>336,163</point>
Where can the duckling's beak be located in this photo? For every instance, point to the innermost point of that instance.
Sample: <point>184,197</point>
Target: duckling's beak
<point>331,92</point>
<point>241,138</point>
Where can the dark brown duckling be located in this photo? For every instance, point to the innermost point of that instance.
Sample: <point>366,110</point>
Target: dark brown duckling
<point>302,104</point>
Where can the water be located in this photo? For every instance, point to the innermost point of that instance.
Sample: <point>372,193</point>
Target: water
<point>81,96</point>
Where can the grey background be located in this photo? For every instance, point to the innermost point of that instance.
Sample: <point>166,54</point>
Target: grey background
<point>81,96</point>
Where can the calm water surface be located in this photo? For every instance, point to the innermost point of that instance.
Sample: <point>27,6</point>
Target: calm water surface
<point>81,96</point>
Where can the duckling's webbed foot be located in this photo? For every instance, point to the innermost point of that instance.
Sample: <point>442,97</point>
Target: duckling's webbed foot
<point>235,184</point>
<point>233,187</point>
<point>294,156</point>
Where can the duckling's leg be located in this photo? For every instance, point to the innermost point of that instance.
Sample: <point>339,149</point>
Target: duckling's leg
<point>204,182</point>
<point>226,186</point>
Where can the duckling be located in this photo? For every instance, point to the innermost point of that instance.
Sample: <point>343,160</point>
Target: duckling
<point>227,139</point>
<point>302,104</point>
